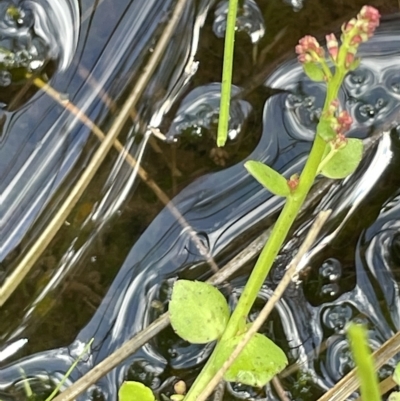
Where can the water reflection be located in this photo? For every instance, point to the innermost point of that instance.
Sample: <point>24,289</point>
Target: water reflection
<point>220,208</point>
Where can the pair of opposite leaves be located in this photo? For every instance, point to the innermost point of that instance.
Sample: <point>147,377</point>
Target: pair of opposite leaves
<point>342,163</point>
<point>199,314</point>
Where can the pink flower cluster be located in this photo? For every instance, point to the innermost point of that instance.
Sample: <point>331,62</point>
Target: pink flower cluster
<point>359,30</point>
<point>339,122</point>
<point>344,122</point>
<point>354,32</point>
<point>362,27</point>
<point>309,50</point>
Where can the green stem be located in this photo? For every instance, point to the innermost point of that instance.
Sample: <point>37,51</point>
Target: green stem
<point>364,362</point>
<point>272,247</point>
<point>227,74</point>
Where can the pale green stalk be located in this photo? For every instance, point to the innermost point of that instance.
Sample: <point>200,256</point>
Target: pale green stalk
<point>272,247</point>
<point>227,74</point>
<point>365,365</point>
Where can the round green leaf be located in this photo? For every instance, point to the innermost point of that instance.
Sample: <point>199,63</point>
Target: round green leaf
<point>134,391</point>
<point>314,71</point>
<point>345,160</point>
<point>199,312</point>
<point>268,177</point>
<point>257,364</point>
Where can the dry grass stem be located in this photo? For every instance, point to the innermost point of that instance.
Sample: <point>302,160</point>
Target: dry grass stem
<point>349,383</point>
<point>279,389</point>
<point>14,279</point>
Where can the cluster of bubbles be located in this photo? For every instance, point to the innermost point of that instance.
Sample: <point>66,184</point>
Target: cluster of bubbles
<point>35,36</point>
<point>22,50</point>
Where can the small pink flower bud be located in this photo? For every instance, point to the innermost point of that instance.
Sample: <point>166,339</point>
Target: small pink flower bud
<point>359,29</point>
<point>309,49</point>
<point>332,45</point>
<point>293,182</point>
<point>344,120</point>
<point>350,57</point>
<point>347,27</point>
<point>356,39</point>
<point>371,14</point>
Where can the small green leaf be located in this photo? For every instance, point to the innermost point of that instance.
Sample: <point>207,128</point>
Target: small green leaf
<point>314,71</point>
<point>134,391</point>
<point>396,374</point>
<point>345,160</point>
<point>257,364</point>
<point>199,312</point>
<point>325,130</point>
<point>268,177</point>
<point>395,396</point>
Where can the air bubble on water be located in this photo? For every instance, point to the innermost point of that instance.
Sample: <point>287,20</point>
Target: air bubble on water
<point>331,269</point>
<point>330,290</point>
<point>361,319</point>
<point>380,104</point>
<point>359,81</point>
<point>345,359</point>
<point>23,58</point>
<point>336,317</point>
<point>367,111</point>
<point>249,19</point>
<point>309,101</point>
<point>338,360</point>
<point>198,114</point>
<point>396,86</point>
<point>392,81</point>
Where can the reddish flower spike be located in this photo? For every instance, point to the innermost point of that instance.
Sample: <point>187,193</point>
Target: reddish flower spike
<point>371,14</point>
<point>309,49</point>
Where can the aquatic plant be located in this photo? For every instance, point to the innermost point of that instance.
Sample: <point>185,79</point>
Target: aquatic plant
<point>332,155</point>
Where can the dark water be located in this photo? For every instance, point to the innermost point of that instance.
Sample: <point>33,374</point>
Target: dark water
<point>121,237</point>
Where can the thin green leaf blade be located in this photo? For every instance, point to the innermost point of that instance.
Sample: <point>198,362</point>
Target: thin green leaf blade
<point>134,391</point>
<point>365,365</point>
<point>257,364</point>
<point>199,312</point>
<point>268,177</point>
<point>345,161</point>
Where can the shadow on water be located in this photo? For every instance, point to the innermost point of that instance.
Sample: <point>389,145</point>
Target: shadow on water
<point>110,269</point>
